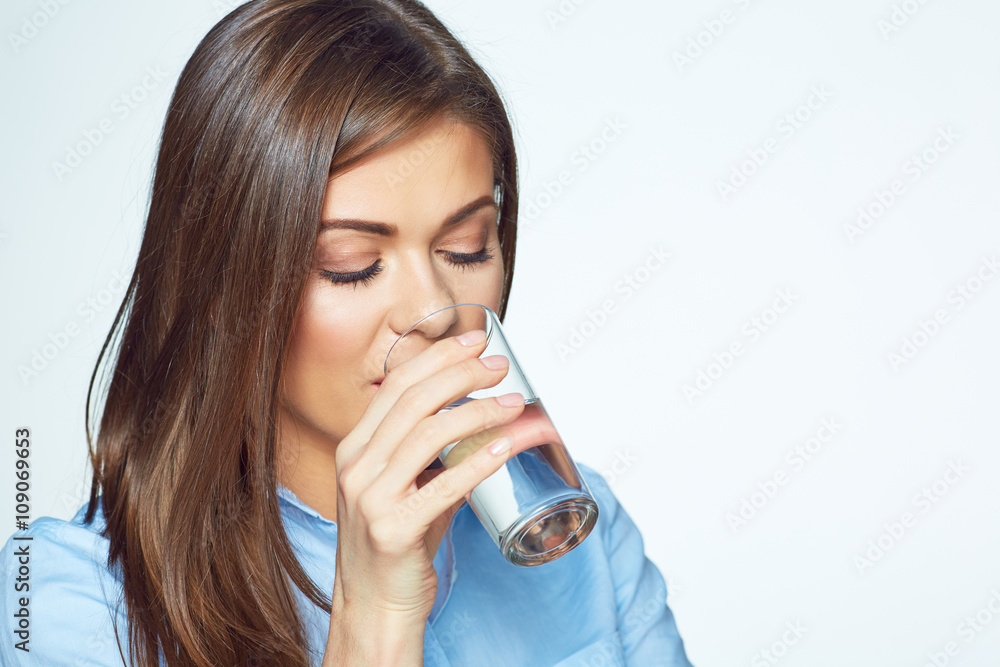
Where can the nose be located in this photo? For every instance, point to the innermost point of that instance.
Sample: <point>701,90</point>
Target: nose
<point>422,292</point>
<point>421,310</point>
<point>435,322</point>
<point>419,328</point>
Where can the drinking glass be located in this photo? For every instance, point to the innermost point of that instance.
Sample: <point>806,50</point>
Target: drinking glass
<point>537,507</point>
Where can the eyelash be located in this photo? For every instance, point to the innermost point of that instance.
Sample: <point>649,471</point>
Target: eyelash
<point>365,276</point>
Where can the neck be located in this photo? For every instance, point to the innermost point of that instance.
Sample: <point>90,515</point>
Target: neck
<point>306,464</point>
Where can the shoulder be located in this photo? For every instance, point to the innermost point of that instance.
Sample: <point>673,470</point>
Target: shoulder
<point>57,548</point>
<point>59,592</point>
<point>621,540</point>
<point>646,626</point>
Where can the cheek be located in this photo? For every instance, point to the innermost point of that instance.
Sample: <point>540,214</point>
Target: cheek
<point>324,368</point>
<point>483,285</point>
<point>492,289</point>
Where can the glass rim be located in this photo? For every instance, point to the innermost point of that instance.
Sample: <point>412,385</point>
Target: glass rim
<point>489,332</point>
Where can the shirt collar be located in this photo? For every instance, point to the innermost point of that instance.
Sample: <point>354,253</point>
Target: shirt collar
<point>444,560</point>
<point>288,496</point>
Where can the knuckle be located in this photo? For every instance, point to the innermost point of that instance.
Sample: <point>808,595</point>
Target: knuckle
<point>349,480</point>
<point>481,464</point>
<point>340,455</point>
<point>490,413</point>
<point>410,505</point>
<point>410,399</point>
<point>369,507</point>
<point>429,430</point>
<point>471,369</point>
<point>491,410</point>
<point>444,486</point>
<point>382,534</point>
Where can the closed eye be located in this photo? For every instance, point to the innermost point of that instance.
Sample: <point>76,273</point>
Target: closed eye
<point>365,276</point>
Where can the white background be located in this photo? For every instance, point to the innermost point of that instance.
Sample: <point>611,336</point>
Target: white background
<point>683,464</point>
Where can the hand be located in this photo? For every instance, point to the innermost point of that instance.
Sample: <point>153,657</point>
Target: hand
<point>392,513</point>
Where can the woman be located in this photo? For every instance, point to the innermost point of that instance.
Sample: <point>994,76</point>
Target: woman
<point>329,171</point>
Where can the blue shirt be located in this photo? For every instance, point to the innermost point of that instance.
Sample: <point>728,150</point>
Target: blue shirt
<point>603,603</point>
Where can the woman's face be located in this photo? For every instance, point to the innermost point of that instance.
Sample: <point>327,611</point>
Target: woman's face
<point>392,228</point>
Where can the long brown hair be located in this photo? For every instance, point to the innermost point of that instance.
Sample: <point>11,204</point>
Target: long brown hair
<point>278,96</point>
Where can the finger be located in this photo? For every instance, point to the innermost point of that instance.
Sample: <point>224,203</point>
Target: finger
<point>423,400</point>
<point>470,426</point>
<point>441,354</point>
<point>421,507</point>
<point>435,534</point>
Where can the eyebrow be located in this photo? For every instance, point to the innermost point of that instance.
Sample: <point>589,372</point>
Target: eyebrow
<point>389,229</point>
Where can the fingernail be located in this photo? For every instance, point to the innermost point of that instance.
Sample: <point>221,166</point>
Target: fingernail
<point>495,362</point>
<point>472,337</point>
<point>502,445</point>
<point>510,400</point>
